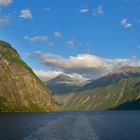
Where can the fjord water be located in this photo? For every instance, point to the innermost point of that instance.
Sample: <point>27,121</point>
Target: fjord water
<point>100,125</point>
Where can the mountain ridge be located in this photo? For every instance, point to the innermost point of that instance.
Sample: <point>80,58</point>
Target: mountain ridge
<point>63,84</point>
<point>109,91</point>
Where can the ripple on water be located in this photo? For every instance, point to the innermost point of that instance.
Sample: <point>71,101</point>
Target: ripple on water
<point>67,127</point>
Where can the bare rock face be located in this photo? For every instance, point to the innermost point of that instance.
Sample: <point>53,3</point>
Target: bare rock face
<point>20,88</point>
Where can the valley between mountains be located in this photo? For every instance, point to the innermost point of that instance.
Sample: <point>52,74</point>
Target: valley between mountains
<point>119,89</point>
<point>22,91</point>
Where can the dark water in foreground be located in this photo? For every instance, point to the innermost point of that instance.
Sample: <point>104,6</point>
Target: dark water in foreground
<point>104,125</point>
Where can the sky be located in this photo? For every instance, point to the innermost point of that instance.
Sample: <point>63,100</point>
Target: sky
<point>81,38</point>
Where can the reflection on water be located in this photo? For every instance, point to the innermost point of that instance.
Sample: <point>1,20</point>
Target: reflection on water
<point>106,125</point>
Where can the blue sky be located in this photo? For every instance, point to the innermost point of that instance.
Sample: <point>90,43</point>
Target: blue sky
<point>85,34</point>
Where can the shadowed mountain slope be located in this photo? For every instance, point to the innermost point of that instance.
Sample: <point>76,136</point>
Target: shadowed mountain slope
<point>109,91</point>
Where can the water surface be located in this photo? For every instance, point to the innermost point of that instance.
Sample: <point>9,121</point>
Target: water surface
<point>101,125</point>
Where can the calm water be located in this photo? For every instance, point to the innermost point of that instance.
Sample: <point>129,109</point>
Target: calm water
<point>104,125</point>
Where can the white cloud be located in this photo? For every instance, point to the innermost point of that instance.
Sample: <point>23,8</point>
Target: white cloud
<point>47,9</point>
<point>5,20</point>
<point>57,34</point>
<point>5,2</point>
<point>84,10</point>
<point>38,39</point>
<point>25,14</point>
<point>50,74</point>
<point>99,11</point>
<point>87,65</point>
<point>125,23</point>
<point>46,75</point>
<point>77,76</point>
<point>71,43</point>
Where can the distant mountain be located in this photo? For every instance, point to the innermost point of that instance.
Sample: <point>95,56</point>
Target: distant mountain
<point>126,69</point>
<point>63,84</point>
<point>112,91</point>
<point>20,88</point>
<point>113,77</point>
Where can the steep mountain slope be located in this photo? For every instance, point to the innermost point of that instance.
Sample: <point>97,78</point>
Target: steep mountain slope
<point>63,84</point>
<point>20,89</point>
<point>108,92</point>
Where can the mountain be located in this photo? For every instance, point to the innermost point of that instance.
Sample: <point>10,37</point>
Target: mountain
<point>63,84</point>
<point>120,89</point>
<point>20,88</point>
<point>113,77</point>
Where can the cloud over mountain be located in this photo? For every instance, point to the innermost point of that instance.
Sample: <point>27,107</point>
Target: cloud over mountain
<point>46,75</point>
<point>86,65</point>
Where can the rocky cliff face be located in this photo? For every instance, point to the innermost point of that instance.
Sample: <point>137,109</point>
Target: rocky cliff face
<point>20,89</point>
